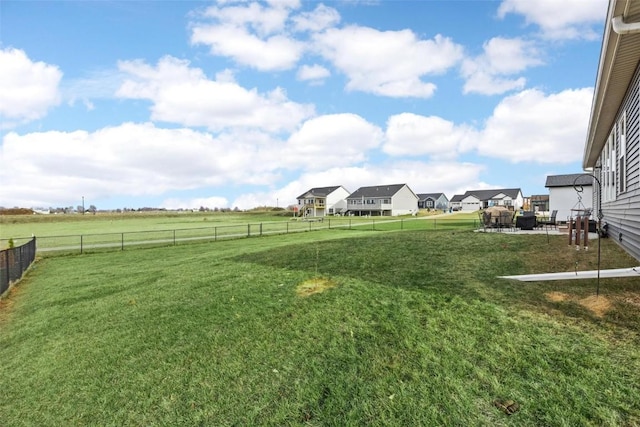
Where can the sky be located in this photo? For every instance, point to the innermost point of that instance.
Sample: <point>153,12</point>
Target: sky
<point>188,104</point>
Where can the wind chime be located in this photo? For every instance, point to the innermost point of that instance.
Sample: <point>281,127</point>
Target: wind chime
<point>579,225</point>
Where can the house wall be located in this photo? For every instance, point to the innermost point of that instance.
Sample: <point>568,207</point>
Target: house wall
<point>566,198</point>
<point>621,204</point>
<point>470,204</point>
<point>442,203</point>
<point>404,202</point>
<point>337,200</point>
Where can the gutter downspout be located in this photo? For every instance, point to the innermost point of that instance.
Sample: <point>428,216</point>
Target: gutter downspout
<point>621,27</point>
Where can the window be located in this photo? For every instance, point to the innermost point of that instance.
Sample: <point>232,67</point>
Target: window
<point>622,153</point>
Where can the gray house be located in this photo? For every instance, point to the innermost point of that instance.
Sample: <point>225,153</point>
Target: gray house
<point>433,201</point>
<point>612,148</point>
<point>383,200</point>
<point>568,200</point>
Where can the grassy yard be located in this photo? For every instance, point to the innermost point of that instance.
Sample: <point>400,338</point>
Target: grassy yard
<point>331,328</point>
<point>73,233</point>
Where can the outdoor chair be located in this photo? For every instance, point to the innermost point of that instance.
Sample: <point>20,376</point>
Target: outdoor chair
<point>549,222</point>
<point>506,220</point>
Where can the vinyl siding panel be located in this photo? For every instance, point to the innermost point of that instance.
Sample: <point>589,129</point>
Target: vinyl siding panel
<point>622,215</point>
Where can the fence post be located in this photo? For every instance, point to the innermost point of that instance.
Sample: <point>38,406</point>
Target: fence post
<point>401,223</point>
<point>81,243</point>
<point>287,228</point>
<point>261,229</point>
<point>174,237</point>
<point>6,262</point>
<point>373,224</point>
<point>248,230</point>
<point>215,234</point>
<point>122,242</point>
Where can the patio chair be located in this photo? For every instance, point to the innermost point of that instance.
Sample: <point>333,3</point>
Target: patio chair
<point>506,220</point>
<point>549,222</point>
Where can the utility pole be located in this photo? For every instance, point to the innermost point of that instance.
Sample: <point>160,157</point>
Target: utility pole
<point>82,205</point>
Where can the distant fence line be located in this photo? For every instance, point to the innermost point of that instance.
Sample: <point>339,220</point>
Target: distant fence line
<point>121,240</point>
<point>14,261</point>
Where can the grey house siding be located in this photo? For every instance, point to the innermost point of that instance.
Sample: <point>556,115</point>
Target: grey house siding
<point>622,215</point>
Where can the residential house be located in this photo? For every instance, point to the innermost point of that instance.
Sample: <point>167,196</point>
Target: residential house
<point>433,201</point>
<point>323,201</point>
<point>612,146</point>
<point>383,200</point>
<point>474,200</point>
<point>538,203</point>
<point>456,202</point>
<point>569,199</point>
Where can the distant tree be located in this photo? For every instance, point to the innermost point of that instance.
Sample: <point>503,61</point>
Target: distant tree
<point>80,209</point>
<point>93,209</point>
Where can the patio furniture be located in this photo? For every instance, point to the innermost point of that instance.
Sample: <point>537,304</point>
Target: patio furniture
<point>526,222</point>
<point>505,220</point>
<point>549,222</point>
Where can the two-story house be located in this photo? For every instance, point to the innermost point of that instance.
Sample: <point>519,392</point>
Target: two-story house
<point>383,200</point>
<point>323,201</point>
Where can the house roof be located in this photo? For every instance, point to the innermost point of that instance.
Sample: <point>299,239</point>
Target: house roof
<point>619,56</point>
<point>319,192</point>
<point>434,196</point>
<point>568,180</point>
<point>457,198</point>
<point>376,191</point>
<point>483,195</point>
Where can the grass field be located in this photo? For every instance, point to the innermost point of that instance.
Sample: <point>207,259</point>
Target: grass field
<point>73,233</point>
<point>332,328</point>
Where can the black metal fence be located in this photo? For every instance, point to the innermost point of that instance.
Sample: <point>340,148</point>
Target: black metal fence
<point>130,239</point>
<point>14,261</point>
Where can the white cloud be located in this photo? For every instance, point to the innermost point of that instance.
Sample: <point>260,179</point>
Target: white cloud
<point>264,20</point>
<point>196,203</point>
<point>331,140</point>
<point>320,18</point>
<point>184,95</point>
<point>46,168</point>
<point>533,127</point>
<point>277,52</point>
<point>387,63</point>
<point>422,177</point>
<point>410,134</point>
<point>314,73</point>
<point>486,74</point>
<point>567,19</point>
<point>251,34</point>
<point>27,89</point>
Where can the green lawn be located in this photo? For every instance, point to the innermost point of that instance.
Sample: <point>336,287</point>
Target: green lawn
<point>413,328</point>
<point>73,233</point>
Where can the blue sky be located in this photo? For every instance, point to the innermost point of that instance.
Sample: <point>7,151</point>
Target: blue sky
<point>182,104</point>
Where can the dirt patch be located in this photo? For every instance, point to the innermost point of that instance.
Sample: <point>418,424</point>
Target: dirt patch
<point>314,286</point>
<point>557,296</point>
<point>598,305</point>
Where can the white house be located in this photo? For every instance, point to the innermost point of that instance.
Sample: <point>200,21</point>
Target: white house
<point>383,200</point>
<point>474,200</point>
<point>613,138</point>
<point>567,199</point>
<point>322,201</point>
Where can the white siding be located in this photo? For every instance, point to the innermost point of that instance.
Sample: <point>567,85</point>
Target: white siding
<point>404,202</point>
<point>563,199</point>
